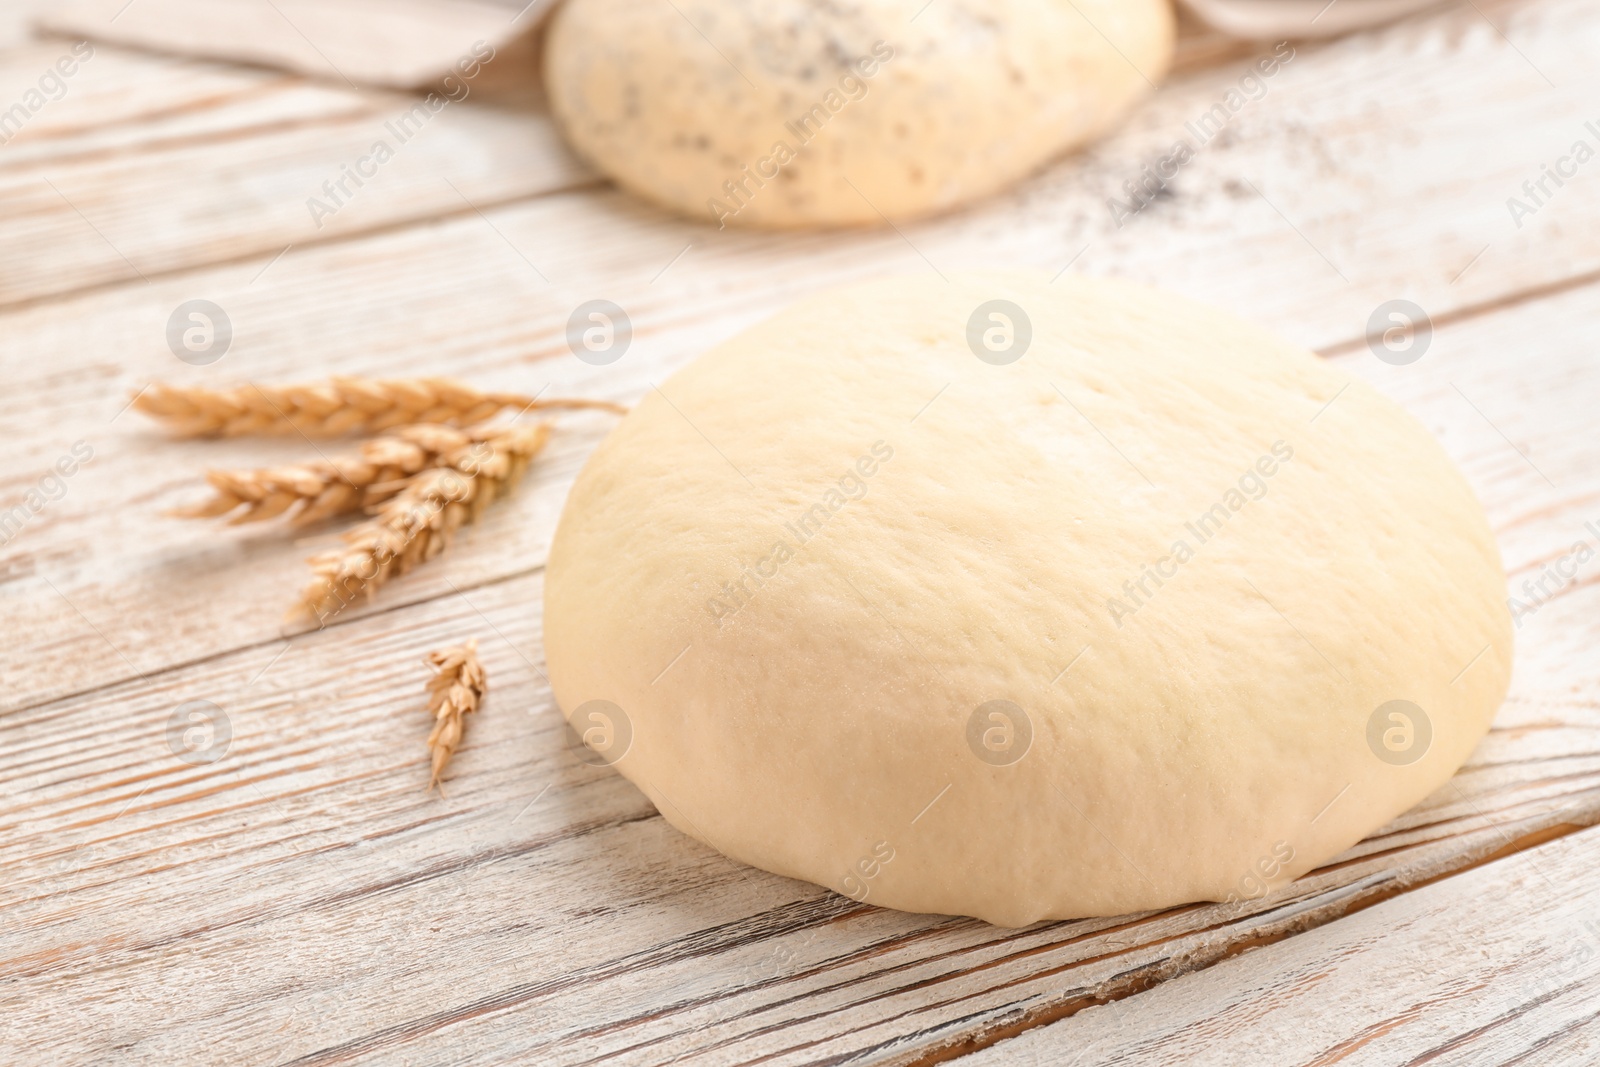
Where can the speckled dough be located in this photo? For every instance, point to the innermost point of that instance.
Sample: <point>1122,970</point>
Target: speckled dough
<point>698,104</point>
<point>807,577</point>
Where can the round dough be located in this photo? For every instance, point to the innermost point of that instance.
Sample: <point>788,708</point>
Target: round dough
<point>675,100</point>
<point>809,566</point>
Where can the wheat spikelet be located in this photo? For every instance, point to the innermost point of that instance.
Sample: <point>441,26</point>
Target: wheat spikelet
<point>456,690</point>
<point>417,523</point>
<point>314,491</point>
<point>333,408</point>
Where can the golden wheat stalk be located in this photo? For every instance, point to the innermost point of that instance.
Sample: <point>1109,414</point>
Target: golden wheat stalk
<point>457,689</point>
<point>334,408</point>
<point>310,492</point>
<point>417,523</point>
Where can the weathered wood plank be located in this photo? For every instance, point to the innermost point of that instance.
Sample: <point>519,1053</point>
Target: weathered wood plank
<point>1495,966</point>
<point>115,99</point>
<point>147,166</point>
<point>1362,160</point>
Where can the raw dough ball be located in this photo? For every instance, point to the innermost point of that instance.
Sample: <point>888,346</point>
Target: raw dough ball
<point>1166,609</point>
<point>767,112</point>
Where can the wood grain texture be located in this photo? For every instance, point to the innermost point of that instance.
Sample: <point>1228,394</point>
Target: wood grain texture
<point>1499,965</point>
<point>303,900</point>
<point>145,166</point>
<point>1360,175</point>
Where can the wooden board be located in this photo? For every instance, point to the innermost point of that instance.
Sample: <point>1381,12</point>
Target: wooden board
<point>1460,983</point>
<point>304,900</point>
<point>1364,160</point>
<point>148,166</point>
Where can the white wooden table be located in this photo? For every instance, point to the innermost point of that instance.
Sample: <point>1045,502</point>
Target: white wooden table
<point>304,900</point>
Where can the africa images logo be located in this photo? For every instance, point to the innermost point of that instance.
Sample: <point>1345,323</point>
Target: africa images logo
<point>852,486</point>
<point>1252,485</point>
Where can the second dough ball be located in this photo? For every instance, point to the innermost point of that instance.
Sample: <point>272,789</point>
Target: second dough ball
<point>790,113</point>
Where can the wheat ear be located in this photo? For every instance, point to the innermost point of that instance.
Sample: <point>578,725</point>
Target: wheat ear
<point>334,408</point>
<point>310,492</point>
<point>418,522</point>
<point>457,689</point>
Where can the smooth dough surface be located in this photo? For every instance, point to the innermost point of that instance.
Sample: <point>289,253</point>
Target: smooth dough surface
<point>804,566</point>
<point>916,116</point>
